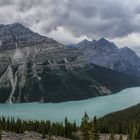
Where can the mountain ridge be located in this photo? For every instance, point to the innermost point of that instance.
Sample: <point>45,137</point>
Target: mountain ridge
<point>34,68</point>
<point>106,54</point>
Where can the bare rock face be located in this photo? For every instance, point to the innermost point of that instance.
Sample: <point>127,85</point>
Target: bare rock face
<point>23,56</point>
<point>34,68</point>
<point>19,44</point>
<point>16,33</point>
<point>37,136</point>
<point>105,53</point>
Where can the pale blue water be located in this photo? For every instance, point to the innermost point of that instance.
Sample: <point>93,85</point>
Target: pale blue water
<point>74,110</point>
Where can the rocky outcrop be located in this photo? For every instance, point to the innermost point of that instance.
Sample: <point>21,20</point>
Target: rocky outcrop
<point>28,136</point>
<point>37,136</point>
<point>78,135</point>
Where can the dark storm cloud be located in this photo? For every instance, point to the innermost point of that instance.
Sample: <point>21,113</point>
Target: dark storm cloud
<point>94,18</point>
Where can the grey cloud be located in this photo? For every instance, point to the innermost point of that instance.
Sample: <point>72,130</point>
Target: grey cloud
<point>5,2</point>
<point>94,18</point>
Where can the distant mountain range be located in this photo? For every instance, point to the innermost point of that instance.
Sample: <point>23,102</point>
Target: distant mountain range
<point>106,54</point>
<point>35,68</point>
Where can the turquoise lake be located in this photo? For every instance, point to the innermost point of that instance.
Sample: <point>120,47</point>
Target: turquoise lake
<point>74,110</point>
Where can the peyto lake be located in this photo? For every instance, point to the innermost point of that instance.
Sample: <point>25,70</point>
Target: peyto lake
<point>74,110</point>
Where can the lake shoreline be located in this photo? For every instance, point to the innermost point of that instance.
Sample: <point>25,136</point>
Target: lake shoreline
<point>74,110</point>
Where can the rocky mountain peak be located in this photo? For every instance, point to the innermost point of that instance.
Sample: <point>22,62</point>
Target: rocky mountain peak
<point>105,43</point>
<point>105,53</point>
<point>16,33</point>
<point>13,35</point>
<point>93,40</point>
<point>103,40</point>
<point>128,50</point>
<point>99,43</point>
<point>85,43</point>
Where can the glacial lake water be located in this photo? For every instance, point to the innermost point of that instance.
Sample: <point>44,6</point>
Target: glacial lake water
<point>74,110</point>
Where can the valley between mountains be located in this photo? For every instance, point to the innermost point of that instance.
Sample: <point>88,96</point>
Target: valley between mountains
<point>35,68</point>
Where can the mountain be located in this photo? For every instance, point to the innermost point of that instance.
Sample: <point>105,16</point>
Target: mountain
<point>105,53</point>
<point>34,68</point>
<point>21,45</point>
<point>12,34</point>
<point>58,85</point>
<point>137,50</point>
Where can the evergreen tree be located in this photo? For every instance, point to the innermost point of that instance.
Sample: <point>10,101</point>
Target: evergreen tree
<point>94,133</point>
<point>85,127</point>
<point>134,133</point>
<point>119,128</point>
<point>43,135</point>
<point>121,138</point>
<point>0,135</point>
<point>74,126</point>
<point>43,130</point>
<point>49,137</point>
<point>112,137</point>
<point>66,127</point>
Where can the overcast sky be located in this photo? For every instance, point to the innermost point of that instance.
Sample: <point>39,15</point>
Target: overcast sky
<point>70,21</point>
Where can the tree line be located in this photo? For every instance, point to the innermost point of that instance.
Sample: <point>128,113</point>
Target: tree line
<point>65,129</point>
<point>44,127</point>
<point>89,128</point>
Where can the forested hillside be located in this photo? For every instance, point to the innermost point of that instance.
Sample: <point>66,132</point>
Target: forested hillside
<point>125,121</point>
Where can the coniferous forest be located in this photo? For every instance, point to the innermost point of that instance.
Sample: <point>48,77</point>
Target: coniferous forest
<point>123,122</point>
